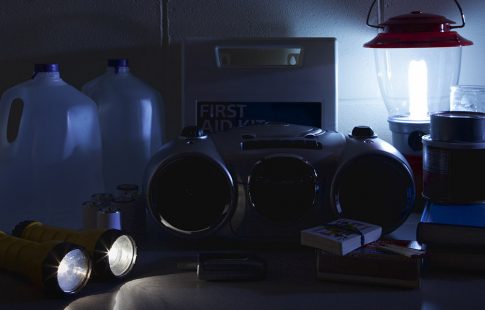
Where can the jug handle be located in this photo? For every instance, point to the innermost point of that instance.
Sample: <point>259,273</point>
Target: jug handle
<point>14,119</point>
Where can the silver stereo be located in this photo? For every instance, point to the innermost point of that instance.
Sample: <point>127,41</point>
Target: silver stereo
<point>269,181</point>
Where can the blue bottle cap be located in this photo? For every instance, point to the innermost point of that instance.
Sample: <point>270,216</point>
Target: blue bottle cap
<point>118,62</point>
<point>46,68</point>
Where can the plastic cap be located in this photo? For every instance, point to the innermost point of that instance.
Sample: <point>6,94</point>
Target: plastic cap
<point>118,62</point>
<point>46,68</point>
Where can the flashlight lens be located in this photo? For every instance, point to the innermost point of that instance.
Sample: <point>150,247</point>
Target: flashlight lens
<point>73,271</point>
<point>122,256</point>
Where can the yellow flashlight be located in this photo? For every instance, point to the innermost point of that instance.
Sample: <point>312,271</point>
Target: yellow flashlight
<point>113,253</point>
<point>60,267</point>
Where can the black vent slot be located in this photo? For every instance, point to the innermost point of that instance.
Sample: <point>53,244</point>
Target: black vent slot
<point>281,144</point>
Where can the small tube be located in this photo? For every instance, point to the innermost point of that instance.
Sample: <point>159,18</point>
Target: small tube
<point>109,218</point>
<point>90,213</point>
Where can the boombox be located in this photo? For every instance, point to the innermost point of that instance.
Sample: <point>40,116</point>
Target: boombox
<point>267,182</point>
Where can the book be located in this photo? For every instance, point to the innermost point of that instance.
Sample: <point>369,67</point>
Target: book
<point>340,236</point>
<point>452,225</point>
<point>458,259</point>
<point>374,264</point>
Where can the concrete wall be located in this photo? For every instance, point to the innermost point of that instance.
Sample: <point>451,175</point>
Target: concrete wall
<point>82,34</point>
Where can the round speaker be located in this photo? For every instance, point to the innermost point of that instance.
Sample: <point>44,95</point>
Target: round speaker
<point>191,195</point>
<point>374,188</point>
<point>282,188</point>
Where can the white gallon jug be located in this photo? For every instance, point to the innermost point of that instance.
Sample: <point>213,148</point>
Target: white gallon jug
<point>130,115</point>
<point>50,151</point>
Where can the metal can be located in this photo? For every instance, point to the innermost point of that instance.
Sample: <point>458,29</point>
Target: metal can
<point>453,158</point>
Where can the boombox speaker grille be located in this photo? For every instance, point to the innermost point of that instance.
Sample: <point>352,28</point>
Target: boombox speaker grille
<point>191,195</point>
<point>374,188</point>
<point>282,188</point>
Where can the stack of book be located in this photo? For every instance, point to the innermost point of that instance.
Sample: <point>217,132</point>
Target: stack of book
<point>351,251</point>
<point>454,236</point>
<point>384,262</point>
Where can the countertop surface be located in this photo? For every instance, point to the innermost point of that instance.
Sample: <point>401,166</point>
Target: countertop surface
<point>157,283</point>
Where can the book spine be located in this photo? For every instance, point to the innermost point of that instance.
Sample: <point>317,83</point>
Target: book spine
<point>378,267</point>
<point>411,283</point>
<point>444,234</point>
<point>456,261</point>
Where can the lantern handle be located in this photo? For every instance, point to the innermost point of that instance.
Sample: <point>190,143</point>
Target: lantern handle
<point>368,17</point>
<point>381,27</point>
<point>462,16</point>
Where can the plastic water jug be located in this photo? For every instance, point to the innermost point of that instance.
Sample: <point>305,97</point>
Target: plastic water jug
<point>130,115</point>
<point>50,151</point>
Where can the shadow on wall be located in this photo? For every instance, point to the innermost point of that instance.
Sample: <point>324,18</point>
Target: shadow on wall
<point>36,28</point>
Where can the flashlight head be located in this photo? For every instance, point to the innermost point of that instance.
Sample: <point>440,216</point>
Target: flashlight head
<point>114,255</point>
<point>66,269</point>
<point>113,252</point>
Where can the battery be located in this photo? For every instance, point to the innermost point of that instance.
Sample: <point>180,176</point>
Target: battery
<point>90,213</point>
<point>127,190</point>
<point>109,218</point>
<point>103,199</point>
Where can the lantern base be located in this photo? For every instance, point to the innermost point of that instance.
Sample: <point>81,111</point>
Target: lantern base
<point>406,134</point>
<point>406,138</point>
